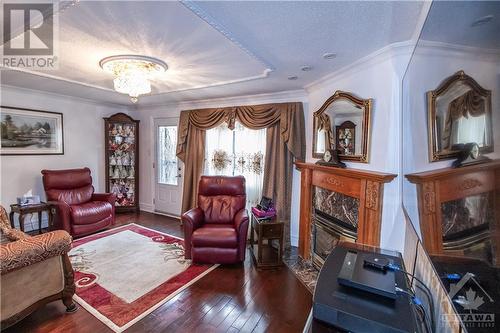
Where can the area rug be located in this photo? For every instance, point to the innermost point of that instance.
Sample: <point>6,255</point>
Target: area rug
<point>123,274</point>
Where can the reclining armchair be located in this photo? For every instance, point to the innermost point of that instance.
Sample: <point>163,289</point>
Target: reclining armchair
<point>216,231</point>
<point>80,211</point>
<point>34,271</point>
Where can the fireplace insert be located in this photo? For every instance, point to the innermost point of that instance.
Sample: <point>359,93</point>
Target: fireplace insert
<point>327,232</point>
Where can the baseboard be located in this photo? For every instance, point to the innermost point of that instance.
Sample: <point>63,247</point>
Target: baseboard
<point>146,207</point>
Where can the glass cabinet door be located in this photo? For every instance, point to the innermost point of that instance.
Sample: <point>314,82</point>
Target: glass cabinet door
<point>122,162</point>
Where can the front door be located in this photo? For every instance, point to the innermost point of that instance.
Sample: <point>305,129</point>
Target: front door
<point>168,168</point>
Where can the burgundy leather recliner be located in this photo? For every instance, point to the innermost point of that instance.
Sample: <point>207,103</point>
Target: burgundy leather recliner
<point>80,211</point>
<point>216,231</point>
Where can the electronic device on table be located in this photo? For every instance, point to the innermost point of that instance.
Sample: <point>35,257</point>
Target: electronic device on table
<point>265,209</point>
<point>28,200</point>
<point>356,292</point>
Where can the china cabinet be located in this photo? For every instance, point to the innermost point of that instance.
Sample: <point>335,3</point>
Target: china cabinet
<point>122,168</point>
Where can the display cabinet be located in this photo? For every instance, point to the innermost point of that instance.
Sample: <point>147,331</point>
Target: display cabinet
<point>122,168</point>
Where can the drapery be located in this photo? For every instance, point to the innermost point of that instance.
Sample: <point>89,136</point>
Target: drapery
<point>285,140</point>
<point>468,104</point>
<point>324,136</point>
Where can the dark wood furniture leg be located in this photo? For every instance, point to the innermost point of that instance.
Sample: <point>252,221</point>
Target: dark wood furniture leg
<point>39,223</point>
<point>259,243</point>
<point>69,286</point>
<point>21,222</point>
<point>11,217</point>
<point>51,213</point>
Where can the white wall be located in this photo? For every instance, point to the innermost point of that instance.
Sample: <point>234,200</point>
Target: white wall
<point>430,65</point>
<point>378,76</point>
<point>83,143</point>
<point>147,115</point>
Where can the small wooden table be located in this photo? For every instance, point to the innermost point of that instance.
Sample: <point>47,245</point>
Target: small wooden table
<point>30,209</point>
<point>266,230</point>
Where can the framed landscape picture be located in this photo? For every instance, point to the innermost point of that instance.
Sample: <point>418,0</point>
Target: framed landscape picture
<point>31,132</point>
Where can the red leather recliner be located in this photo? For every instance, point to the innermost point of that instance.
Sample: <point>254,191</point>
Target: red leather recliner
<point>216,231</point>
<point>80,211</point>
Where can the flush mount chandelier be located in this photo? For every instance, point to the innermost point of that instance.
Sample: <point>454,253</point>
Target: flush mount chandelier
<point>133,73</point>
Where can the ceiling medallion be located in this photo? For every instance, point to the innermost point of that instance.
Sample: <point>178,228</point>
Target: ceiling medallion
<point>133,73</point>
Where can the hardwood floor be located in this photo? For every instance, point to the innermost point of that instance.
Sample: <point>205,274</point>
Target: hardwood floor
<point>236,298</point>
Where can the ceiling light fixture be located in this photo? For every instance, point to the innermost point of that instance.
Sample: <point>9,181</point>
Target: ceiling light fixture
<point>482,20</point>
<point>133,73</point>
<point>294,77</point>
<point>329,56</point>
<point>306,68</point>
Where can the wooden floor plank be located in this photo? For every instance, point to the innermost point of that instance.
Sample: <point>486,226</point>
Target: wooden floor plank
<point>232,298</point>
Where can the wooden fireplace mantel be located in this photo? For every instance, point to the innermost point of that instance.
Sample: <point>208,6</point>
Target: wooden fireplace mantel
<point>367,186</point>
<point>436,187</point>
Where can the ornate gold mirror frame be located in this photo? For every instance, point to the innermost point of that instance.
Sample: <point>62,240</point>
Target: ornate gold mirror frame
<point>363,104</point>
<point>460,76</point>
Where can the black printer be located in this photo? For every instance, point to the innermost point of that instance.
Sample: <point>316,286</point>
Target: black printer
<point>355,293</point>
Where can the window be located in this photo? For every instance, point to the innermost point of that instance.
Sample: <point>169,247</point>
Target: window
<point>167,161</point>
<point>237,152</point>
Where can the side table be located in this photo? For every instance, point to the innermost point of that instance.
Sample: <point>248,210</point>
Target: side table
<point>30,209</point>
<point>266,230</point>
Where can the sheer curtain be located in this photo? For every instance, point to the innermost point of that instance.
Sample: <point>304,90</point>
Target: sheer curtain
<point>470,129</point>
<point>237,152</point>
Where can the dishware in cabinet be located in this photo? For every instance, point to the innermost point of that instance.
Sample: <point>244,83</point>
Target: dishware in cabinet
<point>122,170</point>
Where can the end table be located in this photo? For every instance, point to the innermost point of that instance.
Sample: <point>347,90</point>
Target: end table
<point>30,209</point>
<point>266,230</point>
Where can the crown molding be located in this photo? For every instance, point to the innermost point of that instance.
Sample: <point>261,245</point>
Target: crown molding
<point>193,7</point>
<point>427,47</point>
<point>54,77</point>
<point>263,75</point>
<point>372,59</point>
<point>5,88</point>
<point>299,95</point>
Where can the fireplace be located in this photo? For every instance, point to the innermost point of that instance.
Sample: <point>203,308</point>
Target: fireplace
<point>338,204</point>
<point>335,218</point>
<point>466,226</point>
<point>459,211</point>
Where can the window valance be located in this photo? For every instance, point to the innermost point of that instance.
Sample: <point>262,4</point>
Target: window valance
<point>290,117</point>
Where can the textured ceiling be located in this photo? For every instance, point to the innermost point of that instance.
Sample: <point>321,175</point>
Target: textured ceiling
<point>217,49</point>
<point>452,22</point>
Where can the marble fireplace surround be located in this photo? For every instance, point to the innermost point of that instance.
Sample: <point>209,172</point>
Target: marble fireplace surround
<point>366,186</point>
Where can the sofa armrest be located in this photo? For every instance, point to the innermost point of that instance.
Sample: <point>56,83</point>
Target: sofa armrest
<point>28,251</point>
<point>109,197</point>
<point>63,214</point>
<point>241,221</point>
<point>191,220</point>
<point>241,226</point>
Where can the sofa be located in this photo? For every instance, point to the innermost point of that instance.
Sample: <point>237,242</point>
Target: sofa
<point>80,211</point>
<point>34,271</point>
<point>215,232</point>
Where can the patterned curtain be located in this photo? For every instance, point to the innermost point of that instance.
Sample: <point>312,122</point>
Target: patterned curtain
<point>237,152</point>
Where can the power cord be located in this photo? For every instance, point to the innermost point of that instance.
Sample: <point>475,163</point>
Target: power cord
<point>427,291</point>
<point>418,306</point>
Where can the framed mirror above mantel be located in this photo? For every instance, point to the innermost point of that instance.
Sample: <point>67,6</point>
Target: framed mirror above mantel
<point>343,122</point>
<point>459,112</point>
